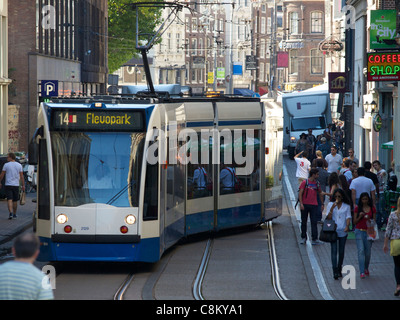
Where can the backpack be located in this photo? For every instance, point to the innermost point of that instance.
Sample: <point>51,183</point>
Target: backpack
<point>306,191</point>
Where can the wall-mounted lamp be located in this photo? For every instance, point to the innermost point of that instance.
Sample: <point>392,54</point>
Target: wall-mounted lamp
<point>374,107</point>
<point>371,107</point>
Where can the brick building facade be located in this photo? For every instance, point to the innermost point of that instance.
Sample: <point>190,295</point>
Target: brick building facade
<point>63,40</point>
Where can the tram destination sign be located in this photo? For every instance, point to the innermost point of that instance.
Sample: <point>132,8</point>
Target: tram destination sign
<point>383,66</point>
<point>97,120</point>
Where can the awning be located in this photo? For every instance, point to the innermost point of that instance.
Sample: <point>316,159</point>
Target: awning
<point>245,92</point>
<point>387,145</point>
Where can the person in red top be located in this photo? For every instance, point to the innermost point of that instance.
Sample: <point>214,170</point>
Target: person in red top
<point>310,189</point>
<point>363,213</point>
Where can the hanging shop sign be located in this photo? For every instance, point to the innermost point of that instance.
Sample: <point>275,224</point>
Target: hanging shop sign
<point>383,66</point>
<point>337,82</point>
<point>383,29</point>
<point>377,122</point>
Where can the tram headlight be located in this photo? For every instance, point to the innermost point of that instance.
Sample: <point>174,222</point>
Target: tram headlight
<point>62,218</point>
<point>130,219</point>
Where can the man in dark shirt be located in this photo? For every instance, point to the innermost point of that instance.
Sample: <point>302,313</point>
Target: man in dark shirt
<point>371,175</point>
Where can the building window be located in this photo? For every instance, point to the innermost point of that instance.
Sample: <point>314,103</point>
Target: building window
<point>294,65</point>
<point>316,61</point>
<point>194,47</point>
<point>294,23</point>
<point>316,22</point>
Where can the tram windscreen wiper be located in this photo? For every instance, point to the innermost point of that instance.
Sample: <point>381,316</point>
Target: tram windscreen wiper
<point>120,193</point>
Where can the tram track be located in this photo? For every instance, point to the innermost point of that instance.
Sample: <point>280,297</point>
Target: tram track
<point>119,295</point>
<point>275,277</point>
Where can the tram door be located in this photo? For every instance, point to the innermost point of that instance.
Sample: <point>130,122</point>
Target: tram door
<point>200,170</point>
<point>240,158</point>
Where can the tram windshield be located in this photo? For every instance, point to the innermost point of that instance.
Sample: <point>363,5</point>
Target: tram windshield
<point>97,167</point>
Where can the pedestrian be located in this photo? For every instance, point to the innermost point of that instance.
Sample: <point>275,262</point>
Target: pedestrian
<point>311,145</point>
<point>381,174</point>
<point>14,175</point>
<point>19,278</point>
<point>352,156</point>
<point>360,185</point>
<point>328,133</point>
<point>310,189</point>
<point>323,176</point>
<point>303,166</point>
<point>324,146</point>
<point>338,136</point>
<point>370,174</point>
<point>393,234</point>
<point>339,211</point>
<point>333,184</point>
<point>319,155</point>
<point>302,143</point>
<point>364,212</point>
<point>344,185</point>
<point>334,160</point>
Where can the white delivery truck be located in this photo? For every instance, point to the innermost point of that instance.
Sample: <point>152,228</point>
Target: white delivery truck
<point>303,110</point>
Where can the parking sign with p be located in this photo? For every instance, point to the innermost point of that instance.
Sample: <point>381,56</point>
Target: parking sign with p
<point>49,88</point>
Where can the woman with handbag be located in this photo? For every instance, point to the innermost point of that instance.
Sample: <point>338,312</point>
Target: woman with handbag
<point>393,234</point>
<point>339,211</point>
<point>364,212</point>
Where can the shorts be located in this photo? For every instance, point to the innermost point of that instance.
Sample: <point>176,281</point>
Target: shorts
<point>12,193</point>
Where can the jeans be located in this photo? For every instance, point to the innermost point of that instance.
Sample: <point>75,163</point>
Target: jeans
<point>381,215</point>
<point>319,215</point>
<point>337,265</point>
<point>363,249</point>
<point>313,211</point>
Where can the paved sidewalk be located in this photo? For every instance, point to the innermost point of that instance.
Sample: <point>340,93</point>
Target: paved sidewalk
<point>380,285</point>
<point>9,228</point>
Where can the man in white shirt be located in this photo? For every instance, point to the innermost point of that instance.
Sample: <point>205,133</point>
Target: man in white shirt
<point>14,174</point>
<point>303,166</point>
<point>362,184</point>
<point>334,160</point>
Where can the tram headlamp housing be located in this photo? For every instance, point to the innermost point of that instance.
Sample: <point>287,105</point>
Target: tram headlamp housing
<point>62,218</point>
<point>130,219</point>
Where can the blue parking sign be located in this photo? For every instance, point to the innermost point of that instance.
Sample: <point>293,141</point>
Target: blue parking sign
<point>49,88</point>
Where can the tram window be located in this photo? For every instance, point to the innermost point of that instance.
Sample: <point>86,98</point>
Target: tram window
<point>150,206</point>
<point>240,151</point>
<point>200,173</point>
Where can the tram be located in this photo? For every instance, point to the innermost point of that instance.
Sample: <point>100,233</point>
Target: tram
<point>123,179</point>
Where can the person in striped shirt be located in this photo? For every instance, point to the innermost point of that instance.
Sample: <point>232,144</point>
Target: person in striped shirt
<point>19,278</point>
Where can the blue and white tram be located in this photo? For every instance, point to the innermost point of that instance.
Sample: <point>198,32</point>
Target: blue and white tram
<point>117,178</point>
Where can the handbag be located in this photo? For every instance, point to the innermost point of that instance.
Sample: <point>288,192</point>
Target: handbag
<point>329,225</point>
<point>372,230</point>
<point>22,198</point>
<point>328,236</point>
<point>328,232</point>
<point>395,247</point>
